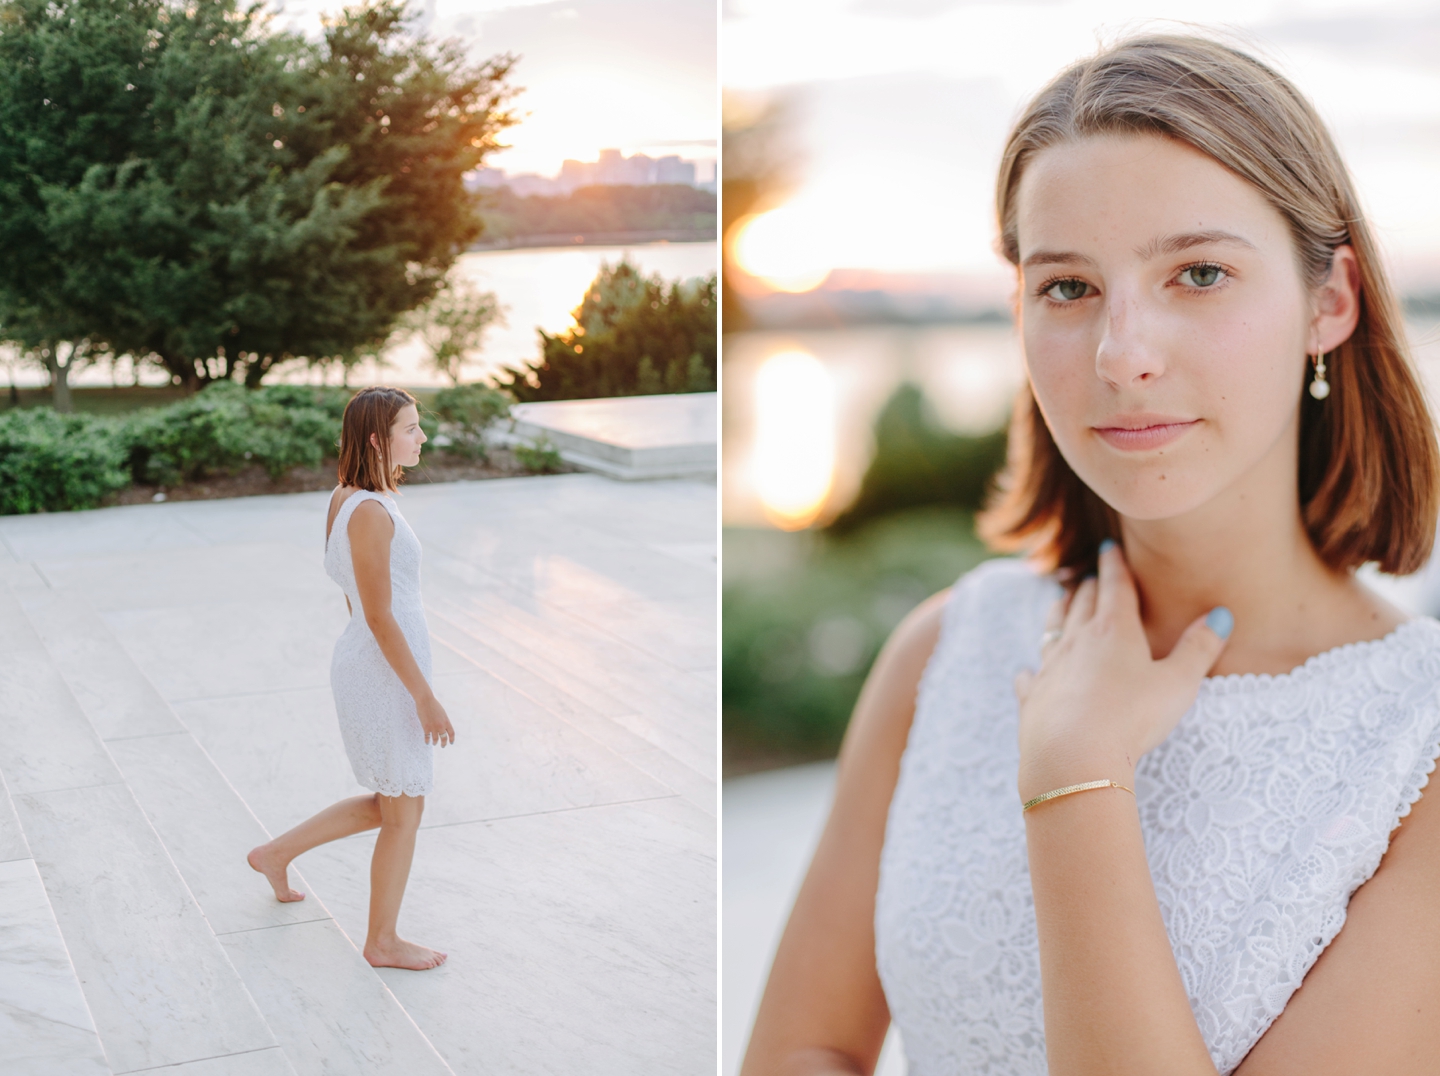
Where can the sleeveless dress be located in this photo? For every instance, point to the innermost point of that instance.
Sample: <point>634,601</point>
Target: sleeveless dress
<point>378,721</point>
<point>1270,803</point>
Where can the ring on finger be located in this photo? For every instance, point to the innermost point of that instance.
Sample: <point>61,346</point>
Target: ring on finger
<point>1049,637</point>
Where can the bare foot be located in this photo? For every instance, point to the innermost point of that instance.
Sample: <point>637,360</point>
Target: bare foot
<point>265,862</point>
<point>403,954</point>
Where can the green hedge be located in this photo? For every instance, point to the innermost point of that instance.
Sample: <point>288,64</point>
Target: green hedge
<point>51,462</point>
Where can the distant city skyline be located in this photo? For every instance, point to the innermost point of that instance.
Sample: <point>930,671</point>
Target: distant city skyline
<point>611,168</point>
<point>638,75</point>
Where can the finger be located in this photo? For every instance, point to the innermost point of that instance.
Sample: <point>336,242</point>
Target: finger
<point>1117,595</point>
<point>1055,618</point>
<point>1024,680</point>
<point>1082,605</point>
<point>1199,648</point>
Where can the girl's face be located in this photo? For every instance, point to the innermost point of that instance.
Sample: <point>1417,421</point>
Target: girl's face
<point>406,437</point>
<point>1165,322</point>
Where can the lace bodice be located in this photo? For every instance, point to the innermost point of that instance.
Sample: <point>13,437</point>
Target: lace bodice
<point>1270,803</point>
<point>404,554</point>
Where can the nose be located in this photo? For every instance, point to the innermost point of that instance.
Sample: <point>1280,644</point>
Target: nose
<point>1128,354</point>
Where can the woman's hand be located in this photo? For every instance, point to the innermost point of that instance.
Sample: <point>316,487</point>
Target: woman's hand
<point>1100,701</point>
<point>435,721</point>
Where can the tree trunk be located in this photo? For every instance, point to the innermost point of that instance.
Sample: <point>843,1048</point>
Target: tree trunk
<point>60,378</point>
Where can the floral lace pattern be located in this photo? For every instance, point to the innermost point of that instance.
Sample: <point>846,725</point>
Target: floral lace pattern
<point>1271,802</point>
<point>378,721</point>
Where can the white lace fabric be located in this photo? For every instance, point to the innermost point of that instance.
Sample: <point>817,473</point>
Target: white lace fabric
<point>378,721</point>
<point>1271,802</point>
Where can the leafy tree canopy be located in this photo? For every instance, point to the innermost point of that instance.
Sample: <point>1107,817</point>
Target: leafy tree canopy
<point>178,181</point>
<point>632,336</point>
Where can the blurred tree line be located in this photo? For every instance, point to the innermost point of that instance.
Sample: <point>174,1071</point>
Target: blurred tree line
<point>659,208</point>
<point>184,184</point>
<point>632,335</point>
<point>804,614</point>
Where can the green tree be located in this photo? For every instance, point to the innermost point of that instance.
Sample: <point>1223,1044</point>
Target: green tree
<point>453,325</point>
<point>180,182</point>
<point>632,336</point>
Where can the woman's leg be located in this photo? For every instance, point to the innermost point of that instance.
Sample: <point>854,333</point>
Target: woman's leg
<point>389,871</point>
<point>272,859</point>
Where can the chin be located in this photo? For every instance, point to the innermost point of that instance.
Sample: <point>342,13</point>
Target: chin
<point>1150,493</point>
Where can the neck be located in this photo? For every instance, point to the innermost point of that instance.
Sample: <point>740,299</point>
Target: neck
<point>1247,549</point>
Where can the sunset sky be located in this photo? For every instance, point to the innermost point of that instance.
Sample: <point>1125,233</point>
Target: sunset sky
<point>638,75</point>
<point>899,109</point>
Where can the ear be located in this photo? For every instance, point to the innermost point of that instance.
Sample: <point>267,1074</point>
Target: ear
<point>1337,302</point>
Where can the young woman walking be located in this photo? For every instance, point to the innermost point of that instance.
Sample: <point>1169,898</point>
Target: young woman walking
<point>1106,810</point>
<point>390,720</point>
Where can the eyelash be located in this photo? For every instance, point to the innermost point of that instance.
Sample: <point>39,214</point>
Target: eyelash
<point>1040,291</point>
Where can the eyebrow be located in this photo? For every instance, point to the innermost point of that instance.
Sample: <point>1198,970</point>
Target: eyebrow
<point>1165,244</point>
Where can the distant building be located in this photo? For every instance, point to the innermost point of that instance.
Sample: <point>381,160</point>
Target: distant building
<point>612,170</point>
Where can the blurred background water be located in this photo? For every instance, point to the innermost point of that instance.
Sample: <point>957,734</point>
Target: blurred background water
<point>869,359</point>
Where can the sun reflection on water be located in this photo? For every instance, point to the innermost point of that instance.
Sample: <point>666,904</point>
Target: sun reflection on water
<point>792,464</point>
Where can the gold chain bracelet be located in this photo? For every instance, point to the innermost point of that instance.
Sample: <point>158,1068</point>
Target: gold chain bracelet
<point>1086,787</point>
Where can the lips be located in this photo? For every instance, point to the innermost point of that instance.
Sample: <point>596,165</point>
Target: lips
<point>1143,432</point>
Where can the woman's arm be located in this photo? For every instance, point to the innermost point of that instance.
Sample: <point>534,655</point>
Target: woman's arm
<point>371,530</point>
<point>823,1012</point>
<point>1114,1002</point>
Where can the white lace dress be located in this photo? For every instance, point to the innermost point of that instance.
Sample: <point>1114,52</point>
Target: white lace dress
<point>378,721</point>
<point>1268,806</point>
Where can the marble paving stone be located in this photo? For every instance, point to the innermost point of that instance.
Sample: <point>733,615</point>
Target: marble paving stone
<point>697,554</point>
<point>103,533</point>
<point>561,642</point>
<point>332,1014</point>
<point>642,700</point>
<point>12,838</point>
<point>554,698</point>
<point>22,577</point>
<point>157,982</point>
<point>207,830</point>
<point>112,692</point>
<point>16,631</point>
<point>233,648</point>
<point>512,757</point>
<point>280,750</point>
<point>580,941</point>
<point>45,1027</point>
<point>271,1062</point>
<point>210,574</point>
<point>60,751</point>
<point>296,519</point>
<point>667,631</point>
<point>695,786</point>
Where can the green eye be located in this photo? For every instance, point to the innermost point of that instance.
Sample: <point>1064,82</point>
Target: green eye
<point>1202,276</point>
<point>1065,291</point>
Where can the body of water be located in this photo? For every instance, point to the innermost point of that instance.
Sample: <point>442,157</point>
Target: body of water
<point>537,287</point>
<point>969,372</point>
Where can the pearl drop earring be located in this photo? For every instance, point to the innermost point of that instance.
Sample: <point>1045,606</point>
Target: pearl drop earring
<point>1319,387</point>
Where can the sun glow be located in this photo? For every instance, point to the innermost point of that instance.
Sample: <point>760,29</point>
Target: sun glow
<point>784,248</point>
<point>793,465</point>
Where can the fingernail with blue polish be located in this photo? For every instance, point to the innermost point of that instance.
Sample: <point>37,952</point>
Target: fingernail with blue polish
<point>1107,545</point>
<point>1221,621</point>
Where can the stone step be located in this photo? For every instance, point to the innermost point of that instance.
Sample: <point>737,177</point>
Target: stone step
<point>157,982</point>
<point>45,1025</point>
<point>206,828</point>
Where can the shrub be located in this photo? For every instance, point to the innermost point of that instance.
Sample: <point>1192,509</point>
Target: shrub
<point>51,462</point>
<point>633,336</point>
<point>468,412</point>
<point>225,426</point>
<point>539,456</point>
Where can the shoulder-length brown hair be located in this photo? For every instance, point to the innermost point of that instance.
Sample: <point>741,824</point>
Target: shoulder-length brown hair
<point>371,410</point>
<point>1368,456</point>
